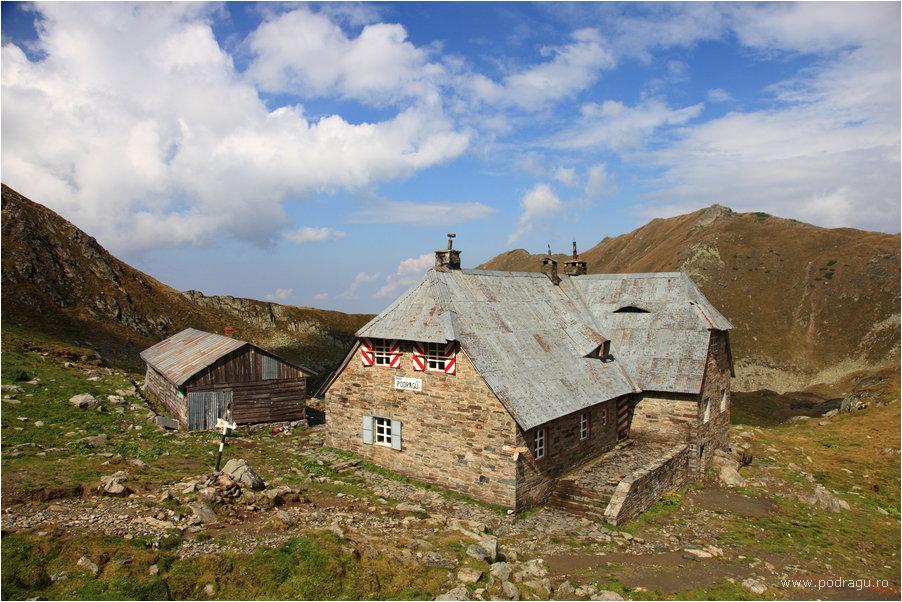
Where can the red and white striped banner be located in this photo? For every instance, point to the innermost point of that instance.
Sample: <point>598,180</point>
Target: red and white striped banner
<point>395,351</point>
<point>367,356</point>
<point>451,358</point>
<point>418,357</point>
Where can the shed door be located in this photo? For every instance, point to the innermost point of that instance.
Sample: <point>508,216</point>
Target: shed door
<point>204,407</point>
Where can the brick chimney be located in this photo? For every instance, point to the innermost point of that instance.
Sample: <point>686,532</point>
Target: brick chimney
<point>229,331</point>
<point>447,259</point>
<point>575,266</point>
<point>549,267</point>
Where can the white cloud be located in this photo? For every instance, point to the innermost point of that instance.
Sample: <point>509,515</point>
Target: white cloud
<point>719,95</point>
<point>597,180</point>
<point>612,124</point>
<point>405,275</point>
<point>566,176</point>
<point>828,151</point>
<point>304,52</point>
<point>135,125</point>
<point>306,234</point>
<point>383,211</point>
<point>573,67</point>
<point>359,280</point>
<point>321,296</point>
<point>280,294</point>
<point>538,202</point>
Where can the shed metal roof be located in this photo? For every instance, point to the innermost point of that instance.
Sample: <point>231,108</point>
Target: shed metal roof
<point>186,353</point>
<point>529,338</point>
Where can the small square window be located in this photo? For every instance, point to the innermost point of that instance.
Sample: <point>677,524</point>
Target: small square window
<point>539,445</point>
<point>382,352</point>
<point>584,428</point>
<point>435,357</point>
<point>382,426</point>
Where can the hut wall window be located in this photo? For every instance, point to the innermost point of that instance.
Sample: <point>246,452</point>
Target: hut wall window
<point>706,409</point>
<point>584,426</point>
<point>723,399</point>
<point>539,444</point>
<point>435,357</point>
<point>383,352</point>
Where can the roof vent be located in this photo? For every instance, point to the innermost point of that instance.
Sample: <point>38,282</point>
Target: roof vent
<point>575,266</point>
<point>447,259</point>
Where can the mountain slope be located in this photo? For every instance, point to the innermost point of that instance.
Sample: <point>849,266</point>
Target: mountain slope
<point>60,281</point>
<point>809,304</point>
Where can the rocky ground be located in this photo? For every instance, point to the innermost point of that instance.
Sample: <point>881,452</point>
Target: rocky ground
<point>99,500</point>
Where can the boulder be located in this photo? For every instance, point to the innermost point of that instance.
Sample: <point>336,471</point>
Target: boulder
<point>606,595</point>
<point>13,389</point>
<point>241,472</point>
<point>112,484</point>
<point>276,496</point>
<point>730,477</point>
<point>823,498</point>
<point>84,401</point>
<point>436,560</point>
<point>404,507</point>
<point>85,563</point>
<point>115,399</point>
<point>501,571</point>
<point>756,586</point>
<point>167,423</point>
<point>798,419</point>
<point>283,518</point>
<point>565,591</point>
<point>469,575</point>
<point>490,545</point>
<point>477,551</point>
<point>510,591</point>
<point>458,593</point>
<point>696,554</point>
<point>203,512</point>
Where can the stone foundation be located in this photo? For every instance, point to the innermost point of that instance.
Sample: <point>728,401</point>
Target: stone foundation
<point>645,486</point>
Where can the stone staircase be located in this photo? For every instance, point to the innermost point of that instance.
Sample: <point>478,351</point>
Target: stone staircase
<point>586,490</point>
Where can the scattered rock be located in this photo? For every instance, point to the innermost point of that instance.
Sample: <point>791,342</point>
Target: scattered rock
<point>38,423</point>
<point>730,477</point>
<point>565,591</point>
<point>139,462</point>
<point>405,507</point>
<point>823,498</point>
<point>11,389</point>
<point>756,586</point>
<point>241,472</point>
<point>154,569</point>
<point>276,496</point>
<point>501,571</point>
<point>95,439</point>
<point>167,423</point>
<point>490,545</point>
<point>339,533</point>
<point>607,595</point>
<point>696,554</point>
<point>458,593</point>
<point>85,563</point>
<point>831,413</point>
<point>209,589</point>
<point>203,512</point>
<point>85,401</point>
<point>283,518</point>
<point>585,590</point>
<point>469,575</point>
<point>159,524</point>
<point>798,419</point>
<point>478,552</point>
<point>115,399</point>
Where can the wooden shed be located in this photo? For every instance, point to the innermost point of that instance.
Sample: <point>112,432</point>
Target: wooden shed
<point>198,374</point>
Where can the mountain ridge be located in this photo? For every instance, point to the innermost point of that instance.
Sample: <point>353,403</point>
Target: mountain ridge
<point>809,304</point>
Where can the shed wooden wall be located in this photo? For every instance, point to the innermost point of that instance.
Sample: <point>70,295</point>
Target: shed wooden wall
<point>255,399</point>
<point>167,393</point>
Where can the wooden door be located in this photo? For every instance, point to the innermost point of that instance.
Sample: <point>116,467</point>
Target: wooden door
<point>205,407</point>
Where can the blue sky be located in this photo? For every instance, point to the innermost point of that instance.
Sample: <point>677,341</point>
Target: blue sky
<point>315,154</point>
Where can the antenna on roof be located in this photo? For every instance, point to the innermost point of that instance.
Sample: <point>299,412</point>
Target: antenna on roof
<point>549,249</point>
<point>575,255</point>
<point>451,236</point>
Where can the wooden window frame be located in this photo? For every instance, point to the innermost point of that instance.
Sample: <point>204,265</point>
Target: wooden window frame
<point>540,443</point>
<point>434,357</point>
<point>604,415</point>
<point>585,426</point>
<point>382,431</point>
<point>382,355</point>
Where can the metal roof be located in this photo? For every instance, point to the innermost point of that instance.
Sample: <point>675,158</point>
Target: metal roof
<point>529,338</point>
<point>186,353</point>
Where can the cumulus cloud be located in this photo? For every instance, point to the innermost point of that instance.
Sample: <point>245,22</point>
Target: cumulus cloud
<point>306,53</point>
<point>596,180</point>
<point>614,125</point>
<point>134,123</point>
<point>384,211</point>
<point>571,68</point>
<point>566,176</point>
<point>538,202</point>
<point>306,234</point>
<point>405,275</point>
<point>280,294</point>
<point>359,280</point>
<point>719,95</point>
<point>320,296</point>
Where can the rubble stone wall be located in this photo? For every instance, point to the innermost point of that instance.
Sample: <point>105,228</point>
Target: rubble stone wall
<point>641,489</point>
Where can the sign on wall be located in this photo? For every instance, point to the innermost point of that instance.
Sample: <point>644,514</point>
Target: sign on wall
<point>408,384</point>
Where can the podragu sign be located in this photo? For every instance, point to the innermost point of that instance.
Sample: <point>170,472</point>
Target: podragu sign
<point>408,384</point>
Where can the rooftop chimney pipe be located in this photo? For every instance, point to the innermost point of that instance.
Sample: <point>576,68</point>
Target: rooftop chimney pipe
<point>448,259</point>
<point>549,267</point>
<point>575,267</point>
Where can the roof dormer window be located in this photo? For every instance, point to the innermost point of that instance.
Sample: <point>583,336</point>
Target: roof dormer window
<point>631,309</point>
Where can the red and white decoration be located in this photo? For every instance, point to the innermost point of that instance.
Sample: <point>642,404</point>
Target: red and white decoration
<point>419,357</point>
<point>394,353</point>
<point>367,354</point>
<point>451,358</point>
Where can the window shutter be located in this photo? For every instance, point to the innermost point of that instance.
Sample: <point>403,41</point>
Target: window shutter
<point>396,434</point>
<point>451,358</point>
<point>368,430</point>
<point>395,351</point>
<point>367,357</point>
<point>418,357</point>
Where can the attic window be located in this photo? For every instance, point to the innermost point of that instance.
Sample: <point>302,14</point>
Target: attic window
<point>631,309</point>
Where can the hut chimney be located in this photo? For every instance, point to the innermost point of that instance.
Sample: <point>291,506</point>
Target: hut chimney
<point>575,266</point>
<point>447,259</point>
<point>549,267</point>
<point>229,331</point>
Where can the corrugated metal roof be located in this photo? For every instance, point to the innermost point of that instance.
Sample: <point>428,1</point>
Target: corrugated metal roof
<point>186,353</point>
<point>529,338</point>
